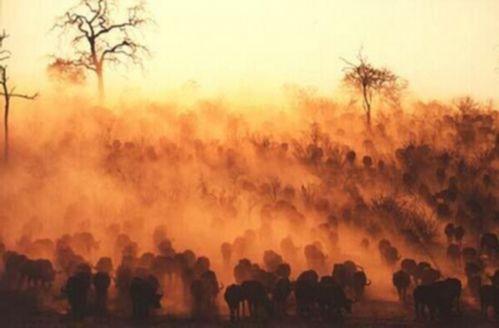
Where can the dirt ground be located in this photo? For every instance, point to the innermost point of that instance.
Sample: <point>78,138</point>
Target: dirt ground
<point>369,313</point>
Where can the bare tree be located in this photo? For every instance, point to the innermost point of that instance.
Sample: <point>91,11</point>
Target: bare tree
<point>7,93</point>
<point>370,81</point>
<point>98,35</point>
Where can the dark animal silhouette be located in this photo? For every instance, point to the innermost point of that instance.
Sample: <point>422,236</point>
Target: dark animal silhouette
<point>469,254</point>
<point>489,244</point>
<point>449,232</point>
<point>331,298</point>
<point>454,253</point>
<point>305,292</point>
<point>234,297</point>
<point>494,279</point>
<point>280,294</point>
<point>101,282</point>
<point>489,297</point>
<point>257,298</point>
<point>411,267</point>
<point>144,295</point>
<point>401,280</point>
<point>76,290</point>
<point>104,264</point>
<point>226,250</point>
<point>359,282</point>
<point>459,233</point>
<point>438,298</point>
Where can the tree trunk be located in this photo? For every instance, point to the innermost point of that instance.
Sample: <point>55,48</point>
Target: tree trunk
<point>6,96</point>
<point>367,108</point>
<point>100,81</point>
<point>6,127</point>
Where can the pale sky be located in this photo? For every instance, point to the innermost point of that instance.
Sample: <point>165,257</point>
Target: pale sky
<point>444,48</point>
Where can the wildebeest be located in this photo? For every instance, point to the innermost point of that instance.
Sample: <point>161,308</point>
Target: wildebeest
<point>401,280</point>
<point>234,298</point>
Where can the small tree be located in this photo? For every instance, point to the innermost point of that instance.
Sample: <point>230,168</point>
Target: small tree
<point>7,93</point>
<point>98,36</point>
<point>370,81</point>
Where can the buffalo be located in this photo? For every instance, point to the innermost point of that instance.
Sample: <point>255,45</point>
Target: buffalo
<point>101,282</point>
<point>144,295</point>
<point>359,282</point>
<point>280,294</point>
<point>257,298</point>
<point>234,297</point>
<point>305,292</point>
<point>489,297</point>
<point>440,298</point>
<point>401,280</point>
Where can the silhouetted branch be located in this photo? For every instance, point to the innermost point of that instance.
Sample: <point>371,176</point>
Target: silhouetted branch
<point>22,96</point>
<point>368,81</point>
<point>4,54</point>
<point>98,37</point>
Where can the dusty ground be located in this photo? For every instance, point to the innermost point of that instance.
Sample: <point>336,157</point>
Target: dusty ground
<point>371,313</point>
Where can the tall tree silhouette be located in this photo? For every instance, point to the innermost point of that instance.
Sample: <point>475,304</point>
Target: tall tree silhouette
<point>370,81</point>
<point>99,35</point>
<point>7,93</point>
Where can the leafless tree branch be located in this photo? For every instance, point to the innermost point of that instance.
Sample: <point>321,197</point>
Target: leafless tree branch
<point>370,81</point>
<point>99,37</point>
<point>8,94</point>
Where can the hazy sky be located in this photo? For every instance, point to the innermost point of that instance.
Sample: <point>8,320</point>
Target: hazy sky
<point>444,48</point>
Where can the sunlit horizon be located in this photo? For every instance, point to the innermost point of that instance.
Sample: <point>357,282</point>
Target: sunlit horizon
<point>445,49</point>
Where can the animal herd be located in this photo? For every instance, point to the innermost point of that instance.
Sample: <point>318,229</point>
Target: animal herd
<point>259,292</point>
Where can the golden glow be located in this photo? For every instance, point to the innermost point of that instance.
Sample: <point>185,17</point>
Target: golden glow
<point>444,48</point>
